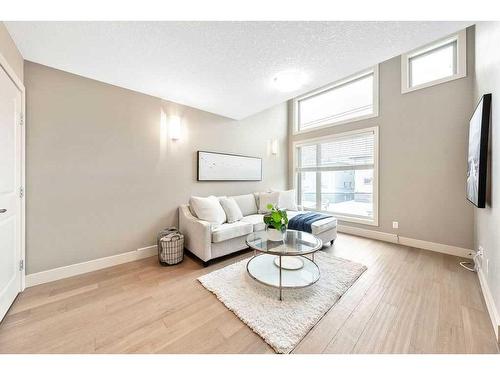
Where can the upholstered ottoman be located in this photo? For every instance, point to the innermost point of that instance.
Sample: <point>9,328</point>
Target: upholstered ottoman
<point>325,229</point>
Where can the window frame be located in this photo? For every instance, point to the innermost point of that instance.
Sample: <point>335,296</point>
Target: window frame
<point>341,216</point>
<point>460,60</point>
<point>329,123</point>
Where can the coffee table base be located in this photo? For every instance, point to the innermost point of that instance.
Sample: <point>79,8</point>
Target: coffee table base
<point>262,268</point>
<point>289,263</point>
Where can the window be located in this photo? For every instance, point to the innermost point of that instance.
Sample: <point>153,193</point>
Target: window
<point>338,174</point>
<point>436,63</point>
<point>352,99</point>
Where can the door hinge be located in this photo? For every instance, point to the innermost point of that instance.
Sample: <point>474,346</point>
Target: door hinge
<point>21,119</point>
<point>21,192</point>
<point>21,265</point>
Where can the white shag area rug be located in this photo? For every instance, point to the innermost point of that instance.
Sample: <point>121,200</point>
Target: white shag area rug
<point>282,324</point>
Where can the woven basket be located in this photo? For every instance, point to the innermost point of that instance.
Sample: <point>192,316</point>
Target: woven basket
<point>170,247</point>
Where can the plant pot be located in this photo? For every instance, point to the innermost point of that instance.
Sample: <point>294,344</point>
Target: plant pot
<point>274,235</point>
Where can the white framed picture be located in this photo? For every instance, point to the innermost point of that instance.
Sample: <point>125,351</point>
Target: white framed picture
<point>216,166</point>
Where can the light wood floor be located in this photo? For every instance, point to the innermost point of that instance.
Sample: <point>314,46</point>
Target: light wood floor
<point>409,301</point>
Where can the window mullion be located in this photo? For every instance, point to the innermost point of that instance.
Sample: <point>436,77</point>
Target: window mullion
<point>298,175</point>
<point>333,169</point>
<point>318,177</point>
<point>455,57</point>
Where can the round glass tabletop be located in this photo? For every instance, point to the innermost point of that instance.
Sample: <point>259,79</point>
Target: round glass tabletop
<point>294,243</point>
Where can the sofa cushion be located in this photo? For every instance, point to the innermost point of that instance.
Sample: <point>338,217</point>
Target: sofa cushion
<point>227,231</point>
<point>208,209</point>
<point>246,203</point>
<point>232,210</point>
<point>256,220</point>
<point>267,198</point>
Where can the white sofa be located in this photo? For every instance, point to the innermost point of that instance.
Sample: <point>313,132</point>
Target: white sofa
<point>209,242</point>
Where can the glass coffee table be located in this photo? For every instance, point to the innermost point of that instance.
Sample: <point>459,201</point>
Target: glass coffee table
<point>284,264</point>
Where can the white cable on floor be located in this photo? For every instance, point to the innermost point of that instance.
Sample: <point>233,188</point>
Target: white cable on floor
<point>467,265</point>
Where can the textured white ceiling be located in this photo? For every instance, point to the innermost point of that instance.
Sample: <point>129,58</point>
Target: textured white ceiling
<point>221,67</point>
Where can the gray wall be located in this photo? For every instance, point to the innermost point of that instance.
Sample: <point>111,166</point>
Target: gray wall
<point>10,52</point>
<point>487,220</point>
<point>423,144</point>
<point>103,177</point>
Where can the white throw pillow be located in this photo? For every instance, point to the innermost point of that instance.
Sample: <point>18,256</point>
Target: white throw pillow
<point>246,203</point>
<point>267,198</point>
<point>287,200</point>
<point>232,210</point>
<point>208,209</point>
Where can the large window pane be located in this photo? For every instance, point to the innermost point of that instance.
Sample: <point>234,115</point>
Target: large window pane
<point>337,175</point>
<point>348,192</point>
<point>348,151</point>
<point>347,101</point>
<point>308,156</point>
<point>308,189</point>
<point>433,65</point>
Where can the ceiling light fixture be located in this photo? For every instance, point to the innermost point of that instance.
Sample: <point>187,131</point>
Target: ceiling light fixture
<point>289,80</point>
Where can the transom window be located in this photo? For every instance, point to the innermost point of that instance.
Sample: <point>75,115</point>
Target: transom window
<point>439,62</point>
<point>338,174</point>
<point>351,99</point>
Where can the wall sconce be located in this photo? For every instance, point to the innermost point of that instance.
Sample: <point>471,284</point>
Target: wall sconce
<point>274,147</point>
<point>175,128</point>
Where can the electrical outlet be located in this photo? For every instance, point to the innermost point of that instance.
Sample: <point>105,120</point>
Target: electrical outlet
<point>480,251</point>
<point>480,258</point>
<point>395,225</point>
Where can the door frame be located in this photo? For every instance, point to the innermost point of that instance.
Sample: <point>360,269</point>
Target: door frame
<point>19,84</point>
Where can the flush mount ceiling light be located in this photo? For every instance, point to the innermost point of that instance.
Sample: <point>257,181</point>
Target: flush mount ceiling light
<point>289,80</point>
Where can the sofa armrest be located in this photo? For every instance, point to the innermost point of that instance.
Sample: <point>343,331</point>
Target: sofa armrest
<point>197,234</point>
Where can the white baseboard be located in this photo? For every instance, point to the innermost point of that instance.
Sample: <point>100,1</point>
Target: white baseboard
<point>368,233</point>
<point>89,266</point>
<point>437,247</point>
<point>390,237</point>
<point>490,304</point>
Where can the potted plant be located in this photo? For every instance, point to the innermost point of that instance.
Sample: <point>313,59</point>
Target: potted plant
<point>276,222</point>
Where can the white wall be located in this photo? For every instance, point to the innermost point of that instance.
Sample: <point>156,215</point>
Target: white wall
<point>487,220</point>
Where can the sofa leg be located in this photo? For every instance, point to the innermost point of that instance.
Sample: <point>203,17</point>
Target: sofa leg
<point>206,264</point>
<point>331,242</point>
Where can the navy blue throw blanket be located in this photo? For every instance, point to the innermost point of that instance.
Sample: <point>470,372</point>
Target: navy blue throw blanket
<point>303,222</point>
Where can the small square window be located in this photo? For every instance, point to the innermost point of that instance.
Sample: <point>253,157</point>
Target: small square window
<point>437,63</point>
<point>433,65</point>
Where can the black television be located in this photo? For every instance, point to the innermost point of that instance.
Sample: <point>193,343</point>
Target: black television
<point>477,158</point>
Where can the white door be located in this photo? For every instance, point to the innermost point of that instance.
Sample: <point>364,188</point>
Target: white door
<point>10,184</point>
